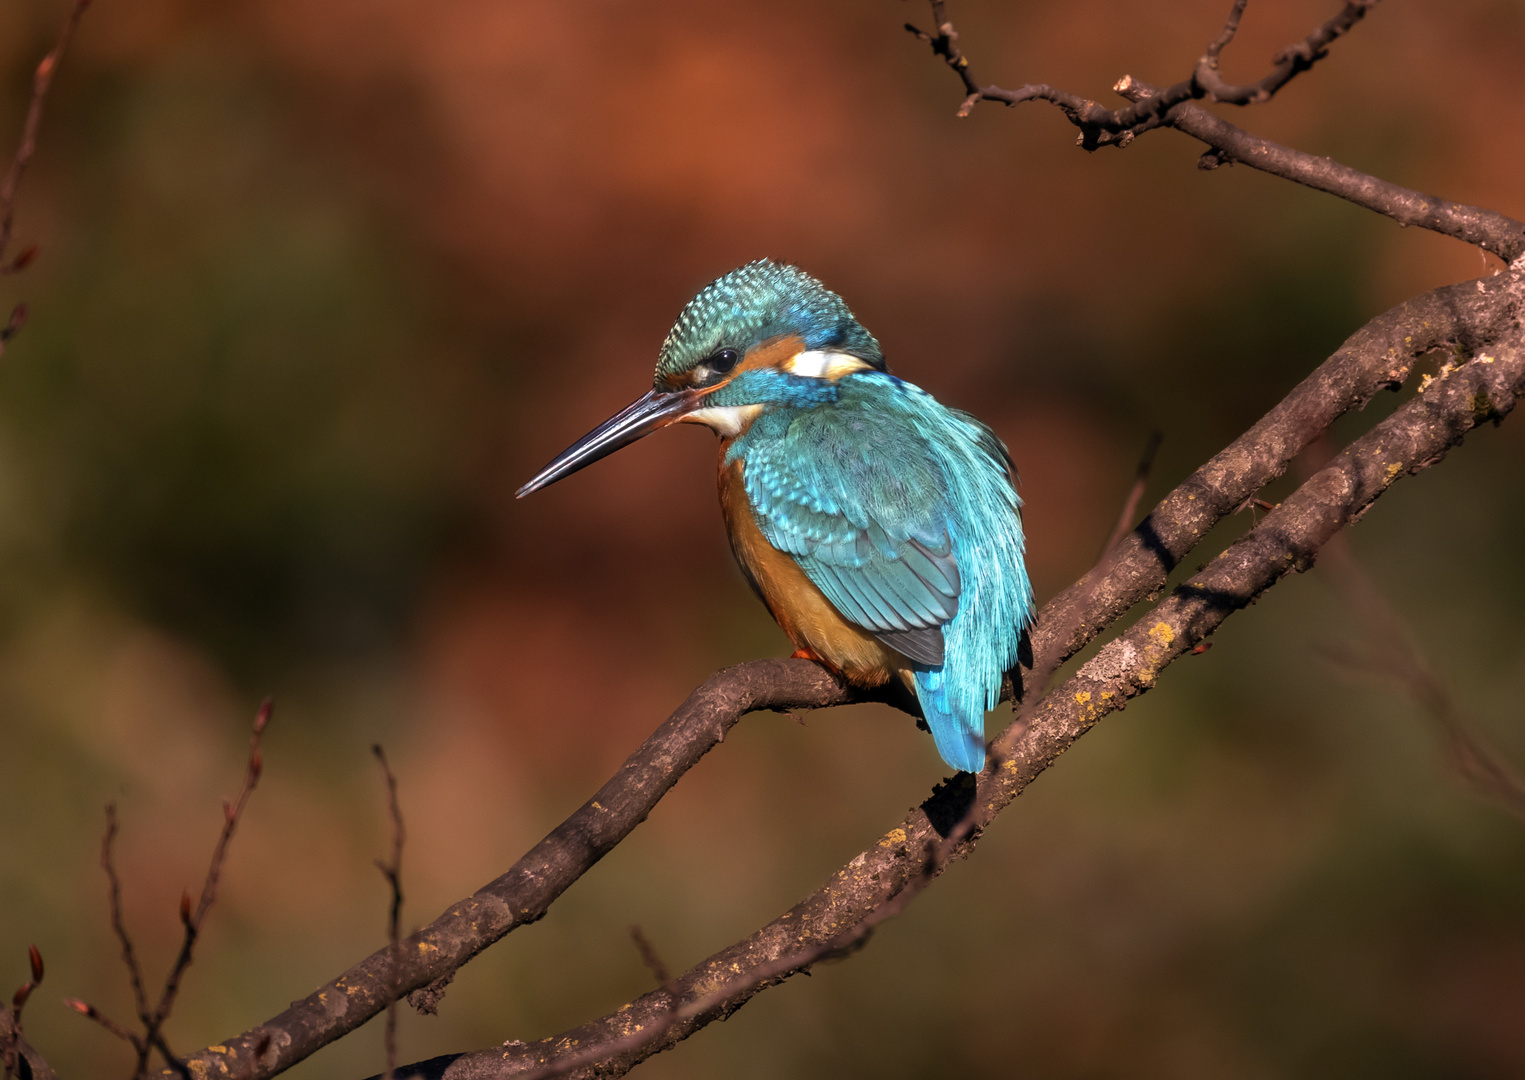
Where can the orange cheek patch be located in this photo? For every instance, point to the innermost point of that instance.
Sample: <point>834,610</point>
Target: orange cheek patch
<point>773,353</point>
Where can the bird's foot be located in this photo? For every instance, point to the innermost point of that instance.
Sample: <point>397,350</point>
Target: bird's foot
<point>807,654</point>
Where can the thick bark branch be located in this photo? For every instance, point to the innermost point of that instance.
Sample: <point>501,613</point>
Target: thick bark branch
<point>526,891</point>
<point>1468,317</point>
<point>1485,388</point>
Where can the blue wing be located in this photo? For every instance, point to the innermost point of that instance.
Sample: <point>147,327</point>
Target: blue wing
<point>858,501</point>
<point>902,512</point>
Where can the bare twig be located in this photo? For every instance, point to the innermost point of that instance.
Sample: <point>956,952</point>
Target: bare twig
<point>649,957</point>
<point>1173,106</point>
<point>1053,654</point>
<point>90,1012</point>
<point>192,917</point>
<point>10,1034</point>
<point>1100,126</point>
<point>391,869</point>
<point>42,82</point>
<point>1135,494</point>
<point>1287,64</point>
<point>118,921</point>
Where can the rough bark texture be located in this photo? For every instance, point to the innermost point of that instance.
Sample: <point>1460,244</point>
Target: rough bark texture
<point>1484,388</point>
<point>1466,320</point>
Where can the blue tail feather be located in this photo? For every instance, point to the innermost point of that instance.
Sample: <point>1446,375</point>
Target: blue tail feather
<point>960,740</point>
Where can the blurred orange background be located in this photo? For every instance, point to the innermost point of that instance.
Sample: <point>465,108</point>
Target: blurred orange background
<point>321,284</point>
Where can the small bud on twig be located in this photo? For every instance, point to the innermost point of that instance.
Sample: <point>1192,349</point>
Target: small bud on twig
<point>36,958</point>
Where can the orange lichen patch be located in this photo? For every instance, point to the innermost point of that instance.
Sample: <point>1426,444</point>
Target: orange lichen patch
<point>810,620</point>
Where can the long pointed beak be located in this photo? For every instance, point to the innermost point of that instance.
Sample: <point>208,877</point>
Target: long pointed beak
<point>655,409</point>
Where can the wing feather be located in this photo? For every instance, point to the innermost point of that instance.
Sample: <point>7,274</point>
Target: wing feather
<point>864,511</point>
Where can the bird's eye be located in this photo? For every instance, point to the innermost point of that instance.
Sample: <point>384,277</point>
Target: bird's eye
<point>723,361</point>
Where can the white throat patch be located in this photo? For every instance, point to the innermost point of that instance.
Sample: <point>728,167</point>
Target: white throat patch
<point>728,420</point>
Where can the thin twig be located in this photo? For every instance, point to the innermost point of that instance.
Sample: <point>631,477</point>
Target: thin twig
<point>1101,126</point>
<point>1288,63</point>
<point>1129,511</point>
<point>1052,656</point>
<point>1173,106</point>
<point>42,82</point>
<point>90,1012</point>
<point>392,871</point>
<point>192,918</point>
<point>649,957</point>
<point>118,921</point>
<point>10,1037</point>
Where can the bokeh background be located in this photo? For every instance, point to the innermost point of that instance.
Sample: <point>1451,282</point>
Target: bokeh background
<point>321,284</point>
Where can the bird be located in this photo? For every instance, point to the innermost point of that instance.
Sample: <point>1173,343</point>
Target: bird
<point>881,528</point>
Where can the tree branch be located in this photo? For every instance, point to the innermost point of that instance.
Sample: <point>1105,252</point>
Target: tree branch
<point>526,891</point>
<point>1483,389</point>
<point>1469,317</point>
<point>1173,106</point>
<point>1487,229</point>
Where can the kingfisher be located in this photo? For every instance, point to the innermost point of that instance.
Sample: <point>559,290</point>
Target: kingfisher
<point>881,528</point>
